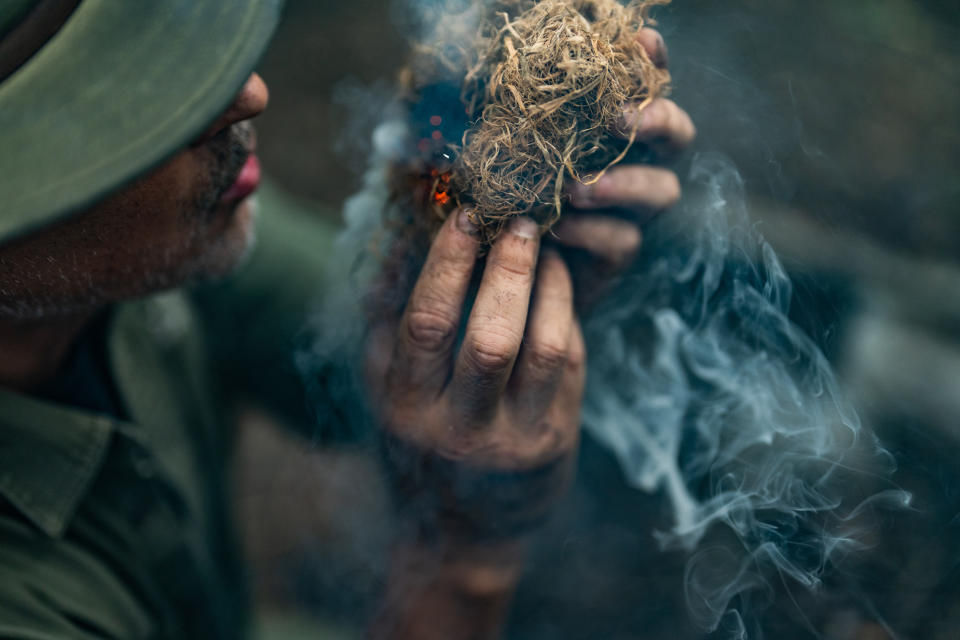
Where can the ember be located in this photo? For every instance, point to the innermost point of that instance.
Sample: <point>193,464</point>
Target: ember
<point>441,184</point>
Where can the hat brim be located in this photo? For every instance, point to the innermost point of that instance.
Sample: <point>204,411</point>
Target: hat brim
<point>114,93</point>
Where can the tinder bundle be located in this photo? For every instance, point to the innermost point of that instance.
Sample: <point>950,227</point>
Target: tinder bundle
<point>541,89</point>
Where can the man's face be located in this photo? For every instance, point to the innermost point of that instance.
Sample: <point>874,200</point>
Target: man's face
<point>188,219</point>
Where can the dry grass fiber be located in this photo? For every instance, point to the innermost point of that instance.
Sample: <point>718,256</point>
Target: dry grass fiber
<point>543,87</point>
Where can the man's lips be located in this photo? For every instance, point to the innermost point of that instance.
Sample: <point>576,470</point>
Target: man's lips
<point>246,183</point>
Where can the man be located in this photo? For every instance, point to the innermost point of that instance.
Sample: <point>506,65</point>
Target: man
<point>127,169</point>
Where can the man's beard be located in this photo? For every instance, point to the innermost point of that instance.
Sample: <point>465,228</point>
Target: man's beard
<point>229,150</point>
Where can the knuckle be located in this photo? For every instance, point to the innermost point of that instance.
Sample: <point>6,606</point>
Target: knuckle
<point>519,269</point>
<point>491,353</point>
<point>548,355</point>
<point>429,329</point>
<point>516,264</point>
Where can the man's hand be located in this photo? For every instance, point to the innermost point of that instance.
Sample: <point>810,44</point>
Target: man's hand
<point>506,402</point>
<point>480,434</point>
<point>603,227</point>
<point>480,439</point>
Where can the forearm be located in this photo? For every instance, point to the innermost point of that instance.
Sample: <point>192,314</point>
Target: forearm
<point>448,591</point>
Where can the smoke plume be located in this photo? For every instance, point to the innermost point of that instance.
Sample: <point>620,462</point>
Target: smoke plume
<point>698,382</point>
<point>705,390</point>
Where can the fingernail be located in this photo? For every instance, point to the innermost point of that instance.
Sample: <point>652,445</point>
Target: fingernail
<point>581,195</point>
<point>524,227</point>
<point>632,118</point>
<point>594,194</point>
<point>602,184</point>
<point>662,50</point>
<point>464,222</point>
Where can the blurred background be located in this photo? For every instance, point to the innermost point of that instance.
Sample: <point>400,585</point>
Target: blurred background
<point>842,117</point>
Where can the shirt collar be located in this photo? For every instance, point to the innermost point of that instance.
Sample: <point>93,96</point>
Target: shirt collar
<point>49,455</point>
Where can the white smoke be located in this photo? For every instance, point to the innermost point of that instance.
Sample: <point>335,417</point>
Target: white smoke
<point>337,328</point>
<point>704,389</point>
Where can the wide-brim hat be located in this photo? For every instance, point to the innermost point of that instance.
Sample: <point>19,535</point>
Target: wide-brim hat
<point>118,89</point>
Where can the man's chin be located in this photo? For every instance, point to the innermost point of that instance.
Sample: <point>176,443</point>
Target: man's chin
<point>231,243</point>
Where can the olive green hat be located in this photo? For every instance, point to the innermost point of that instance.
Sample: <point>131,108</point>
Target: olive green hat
<point>119,88</point>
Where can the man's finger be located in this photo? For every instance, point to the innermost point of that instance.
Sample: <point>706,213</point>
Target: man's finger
<point>425,339</point>
<point>661,125</point>
<point>546,345</point>
<point>613,240</point>
<point>653,43</point>
<point>640,189</point>
<point>496,325</point>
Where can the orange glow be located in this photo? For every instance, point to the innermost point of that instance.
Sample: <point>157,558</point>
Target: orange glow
<point>440,184</point>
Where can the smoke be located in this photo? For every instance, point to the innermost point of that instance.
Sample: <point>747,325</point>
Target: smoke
<point>337,328</point>
<point>705,390</point>
<point>698,382</point>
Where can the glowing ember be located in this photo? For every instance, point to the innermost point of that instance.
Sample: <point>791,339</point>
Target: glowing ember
<point>441,184</point>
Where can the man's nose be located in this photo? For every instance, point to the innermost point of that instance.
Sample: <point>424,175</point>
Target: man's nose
<point>249,103</point>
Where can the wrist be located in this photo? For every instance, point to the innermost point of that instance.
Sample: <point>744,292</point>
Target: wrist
<point>455,504</point>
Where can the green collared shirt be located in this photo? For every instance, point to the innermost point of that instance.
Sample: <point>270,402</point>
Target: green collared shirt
<point>117,526</point>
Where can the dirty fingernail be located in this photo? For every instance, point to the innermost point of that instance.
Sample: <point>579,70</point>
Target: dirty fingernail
<point>464,222</point>
<point>594,195</point>
<point>662,57</point>
<point>524,227</point>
